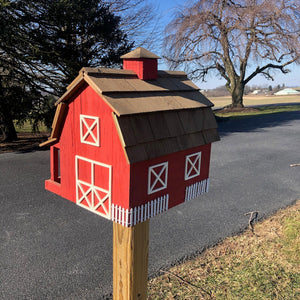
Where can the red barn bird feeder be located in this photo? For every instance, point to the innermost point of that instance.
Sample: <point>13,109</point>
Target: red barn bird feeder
<point>130,144</point>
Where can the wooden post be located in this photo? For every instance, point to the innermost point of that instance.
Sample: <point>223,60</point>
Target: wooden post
<point>130,261</point>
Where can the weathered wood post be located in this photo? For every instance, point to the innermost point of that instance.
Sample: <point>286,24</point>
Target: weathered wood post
<point>128,145</point>
<point>130,261</point>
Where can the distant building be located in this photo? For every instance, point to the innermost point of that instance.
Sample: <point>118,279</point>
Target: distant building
<point>287,91</point>
<point>256,92</point>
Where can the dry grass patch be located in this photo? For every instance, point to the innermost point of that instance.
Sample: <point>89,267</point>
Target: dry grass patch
<point>250,100</point>
<point>260,265</point>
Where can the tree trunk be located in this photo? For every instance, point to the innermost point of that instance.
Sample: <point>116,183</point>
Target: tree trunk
<point>237,96</point>
<point>7,128</point>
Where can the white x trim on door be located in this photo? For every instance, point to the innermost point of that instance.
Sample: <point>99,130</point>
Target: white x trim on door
<point>89,130</point>
<point>88,195</point>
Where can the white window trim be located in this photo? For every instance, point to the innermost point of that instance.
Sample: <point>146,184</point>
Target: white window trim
<point>192,165</point>
<point>164,182</point>
<point>89,132</point>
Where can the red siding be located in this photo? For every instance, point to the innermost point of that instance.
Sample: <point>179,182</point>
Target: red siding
<point>145,68</point>
<point>110,151</point>
<point>129,185</point>
<point>176,183</point>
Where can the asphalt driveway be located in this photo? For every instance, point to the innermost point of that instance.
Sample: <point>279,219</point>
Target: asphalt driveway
<point>53,249</point>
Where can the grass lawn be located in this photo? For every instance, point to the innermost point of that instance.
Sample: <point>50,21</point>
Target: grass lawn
<point>263,110</point>
<point>27,141</point>
<point>26,127</point>
<point>263,264</point>
<point>251,100</point>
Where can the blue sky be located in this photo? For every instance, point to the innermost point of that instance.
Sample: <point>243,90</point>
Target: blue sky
<point>166,10</point>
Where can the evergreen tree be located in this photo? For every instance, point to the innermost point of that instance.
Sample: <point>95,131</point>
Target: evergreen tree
<point>43,45</point>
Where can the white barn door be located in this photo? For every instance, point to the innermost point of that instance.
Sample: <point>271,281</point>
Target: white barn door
<point>93,185</point>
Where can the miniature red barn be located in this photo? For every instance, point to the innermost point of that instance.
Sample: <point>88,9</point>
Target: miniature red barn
<point>130,144</point>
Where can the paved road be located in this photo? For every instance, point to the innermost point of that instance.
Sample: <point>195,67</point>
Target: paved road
<point>52,249</point>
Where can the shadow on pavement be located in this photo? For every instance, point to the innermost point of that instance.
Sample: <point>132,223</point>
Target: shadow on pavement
<point>255,123</point>
<point>24,144</point>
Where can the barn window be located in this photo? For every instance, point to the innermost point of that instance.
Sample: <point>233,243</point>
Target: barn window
<point>90,130</point>
<point>157,177</point>
<point>55,164</point>
<point>192,165</point>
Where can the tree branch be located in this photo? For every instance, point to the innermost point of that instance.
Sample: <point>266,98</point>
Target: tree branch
<point>252,218</point>
<point>270,66</point>
<point>195,288</point>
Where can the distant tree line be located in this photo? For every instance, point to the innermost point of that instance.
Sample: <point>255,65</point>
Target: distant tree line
<point>222,91</point>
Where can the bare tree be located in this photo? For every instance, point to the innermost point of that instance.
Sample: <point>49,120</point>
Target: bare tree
<point>237,40</point>
<point>139,20</point>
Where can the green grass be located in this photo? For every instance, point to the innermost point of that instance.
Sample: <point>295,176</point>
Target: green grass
<point>263,110</point>
<point>26,127</point>
<point>260,265</point>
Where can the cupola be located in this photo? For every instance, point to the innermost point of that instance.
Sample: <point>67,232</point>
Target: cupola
<point>142,62</point>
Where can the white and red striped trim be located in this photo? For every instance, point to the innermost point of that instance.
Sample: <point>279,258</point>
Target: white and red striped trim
<point>196,189</point>
<point>139,214</point>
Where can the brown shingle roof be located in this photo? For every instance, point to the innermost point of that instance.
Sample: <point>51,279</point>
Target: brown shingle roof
<point>146,136</point>
<point>126,94</point>
<point>153,118</point>
<point>140,52</point>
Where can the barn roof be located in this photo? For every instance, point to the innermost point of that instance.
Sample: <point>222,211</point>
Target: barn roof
<point>126,94</point>
<point>139,52</point>
<point>153,118</point>
<point>156,134</point>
